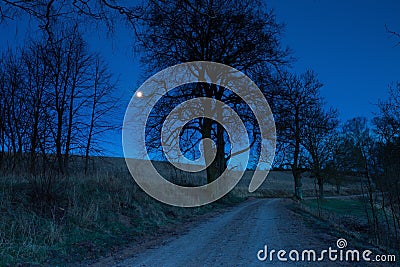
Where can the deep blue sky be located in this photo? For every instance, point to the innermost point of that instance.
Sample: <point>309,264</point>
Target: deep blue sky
<point>344,42</point>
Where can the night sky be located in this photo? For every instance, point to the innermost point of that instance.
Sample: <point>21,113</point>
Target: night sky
<point>344,42</point>
<point>347,44</point>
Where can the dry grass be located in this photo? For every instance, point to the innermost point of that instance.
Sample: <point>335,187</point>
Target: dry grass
<point>82,217</point>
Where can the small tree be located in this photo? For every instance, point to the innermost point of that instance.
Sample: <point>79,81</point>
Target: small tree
<point>297,101</point>
<point>358,132</point>
<point>100,104</point>
<point>318,139</point>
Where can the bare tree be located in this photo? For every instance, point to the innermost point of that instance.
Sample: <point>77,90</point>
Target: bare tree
<point>388,123</point>
<point>358,131</point>
<point>297,101</point>
<point>100,104</point>
<point>36,81</point>
<point>49,14</point>
<point>14,108</point>
<point>318,136</point>
<point>387,128</point>
<point>48,102</point>
<point>241,34</point>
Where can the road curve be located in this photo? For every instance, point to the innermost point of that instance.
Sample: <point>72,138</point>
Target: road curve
<point>234,237</point>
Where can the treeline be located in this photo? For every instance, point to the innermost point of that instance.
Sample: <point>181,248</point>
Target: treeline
<point>377,157</point>
<point>370,151</point>
<point>56,98</point>
<point>312,141</point>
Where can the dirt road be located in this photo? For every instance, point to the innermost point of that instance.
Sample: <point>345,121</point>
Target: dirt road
<point>234,238</point>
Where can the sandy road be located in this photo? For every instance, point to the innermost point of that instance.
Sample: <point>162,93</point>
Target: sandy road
<point>233,238</point>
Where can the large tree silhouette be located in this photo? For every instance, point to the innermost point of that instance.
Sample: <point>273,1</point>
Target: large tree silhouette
<point>241,34</point>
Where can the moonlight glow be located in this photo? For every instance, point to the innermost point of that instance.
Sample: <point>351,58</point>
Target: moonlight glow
<point>139,94</point>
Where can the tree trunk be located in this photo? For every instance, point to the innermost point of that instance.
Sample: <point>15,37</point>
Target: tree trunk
<point>58,142</point>
<point>220,160</point>
<point>34,139</point>
<point>211,171</point>
<point>2,145</point>
<point>298,192</point>
<point>372,204</point>
<point>91,126</point>
<point>320,186</point>
<point>70,120</point>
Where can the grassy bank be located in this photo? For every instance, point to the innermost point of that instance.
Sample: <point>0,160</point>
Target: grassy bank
<point>352,215</point>
<point>81,217</point>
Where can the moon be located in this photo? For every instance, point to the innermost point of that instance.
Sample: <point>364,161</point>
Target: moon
<point>139,94</point>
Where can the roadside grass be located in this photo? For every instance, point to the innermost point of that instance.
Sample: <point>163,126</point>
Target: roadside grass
<point>351,207</point>
<point>83,217</point>
<point>336,231</point>
<point>349,215</point>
